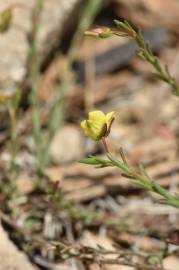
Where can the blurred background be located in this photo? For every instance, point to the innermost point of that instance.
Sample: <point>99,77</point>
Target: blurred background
<point>54,209</point>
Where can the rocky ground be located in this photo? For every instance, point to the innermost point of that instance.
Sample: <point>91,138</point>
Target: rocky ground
<point>73,216</point>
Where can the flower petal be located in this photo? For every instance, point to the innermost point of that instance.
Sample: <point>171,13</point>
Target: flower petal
<point>97,116</point>
<point>109,117</point>
<point>83,124</point>
<point>85,127</point>
<point>91,129</point>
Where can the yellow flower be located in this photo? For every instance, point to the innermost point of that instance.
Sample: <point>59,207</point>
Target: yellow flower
<point>98,125</point>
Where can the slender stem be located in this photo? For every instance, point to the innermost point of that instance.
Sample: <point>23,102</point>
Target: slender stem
<point>34,70</point>
<point>105,145</point>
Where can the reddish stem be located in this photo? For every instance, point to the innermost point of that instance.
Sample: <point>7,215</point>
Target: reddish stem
<point>105,145</point>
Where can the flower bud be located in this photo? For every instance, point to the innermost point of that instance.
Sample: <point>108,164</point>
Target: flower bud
<point>102,32</point>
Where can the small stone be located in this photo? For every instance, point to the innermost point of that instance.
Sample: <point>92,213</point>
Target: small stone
<point>171,262</point>
<point>54,174</point>
<point>67,145</point>
<point>24,184</point>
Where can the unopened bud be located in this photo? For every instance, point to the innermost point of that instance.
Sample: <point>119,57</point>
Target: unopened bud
<point>102,32</point>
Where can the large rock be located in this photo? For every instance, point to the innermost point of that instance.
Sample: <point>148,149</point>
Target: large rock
<point>10,257</point>
<point>14,45</point>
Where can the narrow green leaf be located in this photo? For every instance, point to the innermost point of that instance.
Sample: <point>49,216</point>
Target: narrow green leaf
<point>157,64</point>
<point>129,26</point>
<point>89,160</point>
<point>121,152</point>
<point>122,25</point>
<point>143,171</point>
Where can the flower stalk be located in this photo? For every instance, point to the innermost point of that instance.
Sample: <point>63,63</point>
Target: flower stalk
<point>105,145</point>
<point>99,128</point>
<point>138,178</point>
<point>124,29</point>
<point>94,129</point>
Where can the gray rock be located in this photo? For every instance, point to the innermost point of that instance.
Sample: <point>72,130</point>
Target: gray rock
<point>67,145</point>
<point>14,46</point>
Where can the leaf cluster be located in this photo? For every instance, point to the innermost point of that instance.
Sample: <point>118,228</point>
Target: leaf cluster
<point>139,177</point>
